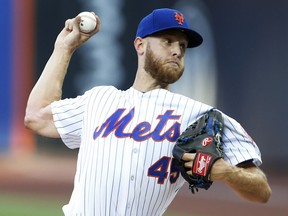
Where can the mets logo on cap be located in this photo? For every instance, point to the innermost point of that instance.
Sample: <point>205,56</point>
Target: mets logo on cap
<point>179,18</point>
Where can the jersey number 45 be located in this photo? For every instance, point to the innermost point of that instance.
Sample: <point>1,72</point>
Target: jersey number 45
<point>160,170</point>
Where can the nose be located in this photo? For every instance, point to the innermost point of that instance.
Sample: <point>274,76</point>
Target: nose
<point>176,50</point>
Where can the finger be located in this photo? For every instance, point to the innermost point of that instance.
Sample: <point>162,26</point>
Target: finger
<point>68,25</point>
<point>98,24</point>
<point>188,156</point>
<point>75,24</point>
<point>188,164</point>
<point>189,172</point>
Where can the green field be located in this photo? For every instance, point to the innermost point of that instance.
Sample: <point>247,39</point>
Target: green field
<point>16,205</point>
<point>33,205</point>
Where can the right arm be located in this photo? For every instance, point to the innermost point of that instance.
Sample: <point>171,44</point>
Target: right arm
<point>48,88</point>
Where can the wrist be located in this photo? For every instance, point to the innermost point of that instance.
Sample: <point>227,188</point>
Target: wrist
<point>62,56</point>
<point>221,170</point>
<point>63,51</point>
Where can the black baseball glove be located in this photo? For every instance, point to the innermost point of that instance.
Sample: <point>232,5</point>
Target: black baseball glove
<point>203,137</point>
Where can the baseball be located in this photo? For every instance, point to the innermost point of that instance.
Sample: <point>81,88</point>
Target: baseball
<point>88,22</point>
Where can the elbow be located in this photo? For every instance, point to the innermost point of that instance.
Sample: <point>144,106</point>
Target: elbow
<point>266,191</point>
<point>262,195</point>
<point>31,121</point>
<point>266,195</point>
<point>28,121</point>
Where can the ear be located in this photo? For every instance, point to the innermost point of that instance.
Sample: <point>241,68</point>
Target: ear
<point>139,44</point>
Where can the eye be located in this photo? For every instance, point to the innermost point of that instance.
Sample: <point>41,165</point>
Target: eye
<point>167,41</point>
<point>183,45</point>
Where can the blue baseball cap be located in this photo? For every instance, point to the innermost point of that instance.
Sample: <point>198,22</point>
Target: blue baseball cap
<point>164,19</point>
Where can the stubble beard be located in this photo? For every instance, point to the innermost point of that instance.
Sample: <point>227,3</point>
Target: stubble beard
<point>162,73</point>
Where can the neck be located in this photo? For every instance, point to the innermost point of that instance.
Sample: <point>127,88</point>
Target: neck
<point>144,82</point>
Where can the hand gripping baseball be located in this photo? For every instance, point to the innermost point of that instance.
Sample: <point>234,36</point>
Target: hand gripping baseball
<point>203,137</point>
<point>71,37</point>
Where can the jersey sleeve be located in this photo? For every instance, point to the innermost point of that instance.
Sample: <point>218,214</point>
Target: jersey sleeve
<point>238,145</point>
<point>68,115</point>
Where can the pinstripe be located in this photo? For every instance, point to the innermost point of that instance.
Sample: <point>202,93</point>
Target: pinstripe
<point>103,97</point>
<point>163,203</point>
<point>158,202</point>
<point>117,188</point>
<point>103,184</point>
<point>154,185</point>
<point>91,150</point>
<point>120,180</point>
<point>146,152</point>
<point>87,154</point>
<point>107,150</point>
<point>140,105</point>
<point>95,106</point>
<point>71,124</point>
<point>74,116</point>
<point>147,191</point>
<point>70,109</point>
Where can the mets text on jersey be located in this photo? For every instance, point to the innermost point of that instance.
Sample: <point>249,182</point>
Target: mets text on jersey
<point>143,130</point>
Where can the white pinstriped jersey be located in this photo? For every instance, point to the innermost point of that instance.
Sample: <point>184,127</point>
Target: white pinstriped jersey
<point>125,164</point>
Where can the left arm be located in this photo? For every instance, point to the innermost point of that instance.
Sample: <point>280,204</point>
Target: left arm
<point>247,180</point>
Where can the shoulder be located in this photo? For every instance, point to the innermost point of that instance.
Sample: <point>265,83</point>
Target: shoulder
<point>102,88</point>
<point>196,107</point>
<point>238,145</point>
<point>100,91</point>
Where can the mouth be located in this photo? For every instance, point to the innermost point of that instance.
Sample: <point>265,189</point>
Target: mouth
<point>173,63</point>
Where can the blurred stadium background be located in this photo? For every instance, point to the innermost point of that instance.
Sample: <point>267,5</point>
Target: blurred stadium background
<point>241,68</point>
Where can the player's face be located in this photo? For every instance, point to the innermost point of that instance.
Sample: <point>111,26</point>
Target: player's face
<point>164,58</point>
